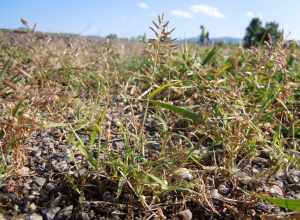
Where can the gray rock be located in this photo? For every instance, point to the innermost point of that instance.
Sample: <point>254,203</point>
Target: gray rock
<point>186,214</point>
<point>65,213</point>
<point>60,166</point>
<point>297,195</point>
<point>153,145</point>
<point>50,214</point>
<point>56,201</point>
<point>184,174</point>
<point>40,181</point>
<point>50,186</point>
<point>35,216</point>
<point>108,197</point>
<point>32,207</point>
<point>83,216</point>
<point>224,190</point>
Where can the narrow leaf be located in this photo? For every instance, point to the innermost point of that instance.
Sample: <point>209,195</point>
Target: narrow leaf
<point>196,118</point>
<point>291,204</point>
<point>209,56</point>
<point>161,88</point>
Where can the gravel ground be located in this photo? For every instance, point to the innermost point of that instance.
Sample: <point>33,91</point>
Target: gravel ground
<point>46,191</point>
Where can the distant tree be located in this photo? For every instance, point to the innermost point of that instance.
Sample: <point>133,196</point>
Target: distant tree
<point>204,36</point>
<point>112,37</point>
<point>254,33</point>
<point>272,30</point>
<point>257,34</point>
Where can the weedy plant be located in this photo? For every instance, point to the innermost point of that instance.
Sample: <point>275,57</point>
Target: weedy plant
<point>164,129</point>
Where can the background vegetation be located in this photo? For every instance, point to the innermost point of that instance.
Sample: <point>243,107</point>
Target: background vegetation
<point>193,120</point>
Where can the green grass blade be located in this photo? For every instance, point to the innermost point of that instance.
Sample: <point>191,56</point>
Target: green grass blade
<point>291,204</point>
<point>161,88</point>
<point>82,148</point>
<point>209,56</point>
<point>196,118</point>
<point>158,181</point>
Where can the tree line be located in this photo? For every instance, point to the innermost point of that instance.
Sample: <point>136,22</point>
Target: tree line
<point>256,33</point>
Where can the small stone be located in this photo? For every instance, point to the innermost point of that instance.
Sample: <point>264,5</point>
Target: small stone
<point>36,152</point>
<point>24,171</point>
<point>108,197</point>
<point>35,216</point>
<point>223,189</point>
<point>56,201</point>
<point>39,181</point>
<point>275,190</point>
<point>16,208</point>
<point>61,166</point>
<point>184,174</point>
<point>186,214</point>
<point>50,186</point>
<point>243,177</point>
<point>50,214</point>
<point>263,207</point>
<point>32,207</point>
<point>153,145</point>
<point>296,195</point>
<point>84,216</point>
<point>65,213</point>
<point>118,212</point>
<point>35,193</point>
<point>216,195</point>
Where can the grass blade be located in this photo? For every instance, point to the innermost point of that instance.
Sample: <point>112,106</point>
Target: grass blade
<point>209,56</point>
<point>291,204</point>
<point>196,118</point>
<point>161,88</point>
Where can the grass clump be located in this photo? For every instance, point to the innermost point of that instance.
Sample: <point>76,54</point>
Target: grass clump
<point>166,128</point>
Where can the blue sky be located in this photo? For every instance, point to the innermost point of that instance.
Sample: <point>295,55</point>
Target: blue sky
<point>132,17</point>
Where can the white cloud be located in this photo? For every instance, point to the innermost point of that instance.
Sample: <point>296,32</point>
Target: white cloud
<point>143,5</point>
<point>207,10</point>
<point>182,13</point>
<point>250,14</point>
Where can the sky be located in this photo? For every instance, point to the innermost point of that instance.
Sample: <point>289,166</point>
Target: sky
<point>128,18</point>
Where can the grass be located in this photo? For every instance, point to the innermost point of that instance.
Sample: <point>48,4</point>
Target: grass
<point>215,111</point>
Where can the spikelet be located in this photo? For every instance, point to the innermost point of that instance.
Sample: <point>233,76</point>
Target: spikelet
<point>162,45</point>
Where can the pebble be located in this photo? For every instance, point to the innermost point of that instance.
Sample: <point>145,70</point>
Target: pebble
<point>24,171</point>
<point>184,174</point>
<point>50,186</point>
<point>153,145</point>
<point>39,181</point>
<point>275,190</point>
<point>60,166</point>
<point>223,189</point>
<point>108,197</point>
<point>65,213</point>
<point>50,214</point>
<point>56,201</point>
<point>32,207</point>
<point>186,214</point>
<point>35,216</point>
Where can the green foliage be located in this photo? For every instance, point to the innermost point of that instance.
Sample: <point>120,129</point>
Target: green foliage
<point>291,204</point>
<point>112,36</point>
<point>256,34</point>
<point>196,118</point>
